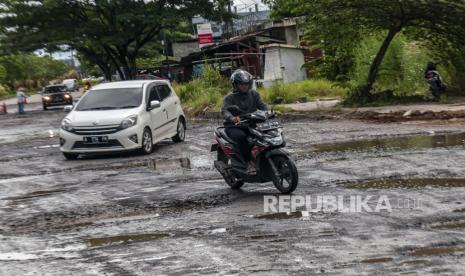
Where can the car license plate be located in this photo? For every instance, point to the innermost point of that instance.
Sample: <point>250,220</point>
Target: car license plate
<point>96,139</point>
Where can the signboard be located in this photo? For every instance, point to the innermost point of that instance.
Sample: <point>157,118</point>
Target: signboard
<point>204,34</point>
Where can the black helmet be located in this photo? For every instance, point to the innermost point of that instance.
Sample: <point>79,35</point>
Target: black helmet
<point>241,77</point>
<point>431,66</point>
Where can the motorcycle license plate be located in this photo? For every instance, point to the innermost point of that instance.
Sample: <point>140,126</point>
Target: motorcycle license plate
<point>96,139</point>
<point>272,124</point>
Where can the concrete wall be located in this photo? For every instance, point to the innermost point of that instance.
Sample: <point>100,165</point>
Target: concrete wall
<point>283,64</point>
<point>182,49</point>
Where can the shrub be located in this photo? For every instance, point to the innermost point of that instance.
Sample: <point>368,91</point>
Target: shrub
<point>207,91</point>
<point>4,92</point>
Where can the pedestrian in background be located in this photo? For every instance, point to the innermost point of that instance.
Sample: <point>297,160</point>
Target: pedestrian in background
<point>21,96</point>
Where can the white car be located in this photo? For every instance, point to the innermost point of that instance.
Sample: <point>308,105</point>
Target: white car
<point>120,116</point>
<point>71,84</point>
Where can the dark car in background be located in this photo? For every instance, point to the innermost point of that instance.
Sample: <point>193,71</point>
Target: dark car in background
<point>56,95</point>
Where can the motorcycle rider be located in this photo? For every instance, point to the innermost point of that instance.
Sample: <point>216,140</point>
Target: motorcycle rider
<point>248,101</point>
<point>433,78</point>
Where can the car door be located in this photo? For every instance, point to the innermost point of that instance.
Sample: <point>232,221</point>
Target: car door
<point>158,117</point>
<point>170,103</point>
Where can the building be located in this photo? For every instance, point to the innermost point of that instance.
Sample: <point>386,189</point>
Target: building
<point>252,49</point>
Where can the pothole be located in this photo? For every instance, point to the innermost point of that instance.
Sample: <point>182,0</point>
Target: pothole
<point>449,225</point>
<point>435,251</point>
<point>377,260</point>
<point>35,194</point>
<point>409,183</point>
<point>395,143</point>
<point>274,216</point>
<point>120,239</point>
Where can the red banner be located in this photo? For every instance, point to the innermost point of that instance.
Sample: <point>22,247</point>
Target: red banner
<point>205,39</point>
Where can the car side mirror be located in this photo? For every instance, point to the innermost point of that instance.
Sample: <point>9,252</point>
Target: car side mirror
<point>154,104</point>
<point>68,108</point>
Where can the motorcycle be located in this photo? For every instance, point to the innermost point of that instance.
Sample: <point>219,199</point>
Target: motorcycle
<point>436,85</point>
<point>266,142</point>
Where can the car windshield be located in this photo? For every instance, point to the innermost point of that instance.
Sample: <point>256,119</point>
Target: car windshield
<point>55,89</point>
<point>105,99</point>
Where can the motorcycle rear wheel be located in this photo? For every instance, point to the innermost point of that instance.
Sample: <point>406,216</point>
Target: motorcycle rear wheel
<point>232,181</point>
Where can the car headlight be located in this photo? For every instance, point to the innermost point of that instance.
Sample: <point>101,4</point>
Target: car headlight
<point>47,98</point>
<point>66,124</point>
<point>67,96</point>
<point>129,122</point>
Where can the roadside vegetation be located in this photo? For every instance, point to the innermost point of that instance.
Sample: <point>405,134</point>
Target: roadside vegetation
<point>206,92</point>
<point>378,51</point>
<point>29,71</point>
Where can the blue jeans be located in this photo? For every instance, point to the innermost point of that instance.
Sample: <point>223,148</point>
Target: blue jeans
<point>21,108</point>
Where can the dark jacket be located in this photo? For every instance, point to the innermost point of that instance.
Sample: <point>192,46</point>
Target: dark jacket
<point>247,102</point>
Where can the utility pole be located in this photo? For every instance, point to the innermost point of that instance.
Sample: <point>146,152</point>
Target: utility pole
<point>229,24</point>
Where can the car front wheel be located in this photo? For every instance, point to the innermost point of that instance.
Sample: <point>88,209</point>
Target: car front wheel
<point>70,156</point>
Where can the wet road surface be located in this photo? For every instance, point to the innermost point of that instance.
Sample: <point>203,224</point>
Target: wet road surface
<point>170,213</point>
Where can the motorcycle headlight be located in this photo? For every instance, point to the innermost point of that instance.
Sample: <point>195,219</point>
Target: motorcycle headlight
<point>129,122</point>
<point>276,141</point>
<point>66,124</point>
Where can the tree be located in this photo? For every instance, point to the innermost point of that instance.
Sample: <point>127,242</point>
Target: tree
<point>111,33</point>
<point>425,19</point>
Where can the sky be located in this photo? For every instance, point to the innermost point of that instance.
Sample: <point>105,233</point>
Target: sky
<point>244,5</point>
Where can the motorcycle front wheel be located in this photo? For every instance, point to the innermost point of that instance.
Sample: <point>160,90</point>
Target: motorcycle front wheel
<point>288,178</point>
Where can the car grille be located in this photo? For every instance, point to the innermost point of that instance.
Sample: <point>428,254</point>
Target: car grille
<point>109,144</point>
<point>95,130</point>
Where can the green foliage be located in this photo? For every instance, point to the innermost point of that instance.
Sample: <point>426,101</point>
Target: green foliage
<point>29,67</point>
<point>354,48</point>
<point>311,89</point>
<point>401,69</point>
<point>110,34</point>
<point>207,91</point>
<point>4,92</point>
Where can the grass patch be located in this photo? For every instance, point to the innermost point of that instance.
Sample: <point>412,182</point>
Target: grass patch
<point>207,92</point>
<point>203,93</point>
<point>311,89</point>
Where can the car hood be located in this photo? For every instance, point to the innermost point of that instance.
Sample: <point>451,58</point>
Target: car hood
<point>100,117</point>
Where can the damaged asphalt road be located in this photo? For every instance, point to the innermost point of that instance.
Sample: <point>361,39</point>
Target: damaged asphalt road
<point>170,213</point>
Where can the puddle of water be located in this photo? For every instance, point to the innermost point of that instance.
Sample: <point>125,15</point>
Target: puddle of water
<point>415,262</point>
<point>169,164</point>
<point>94,242</point>
<point>409,183</point>
<point>218,231</point>
<point>35,194</point>
<point>450,225</point>
<point>47,146</point>
<point>376,260</point>
<point>280,215</point>
<point>435,251</point>
<point>17,256</point>
<point>261,237</point>
<point>395,143</point>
